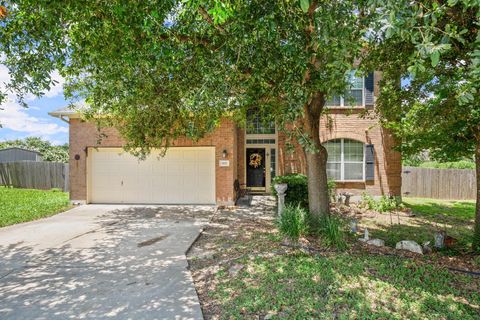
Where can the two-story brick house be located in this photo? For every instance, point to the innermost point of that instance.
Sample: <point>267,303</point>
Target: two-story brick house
<point>361,158</point>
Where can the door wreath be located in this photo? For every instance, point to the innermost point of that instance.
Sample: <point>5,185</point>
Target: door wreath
<point>255,160</point>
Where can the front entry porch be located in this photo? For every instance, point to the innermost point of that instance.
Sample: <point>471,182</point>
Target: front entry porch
<point>260,167</point>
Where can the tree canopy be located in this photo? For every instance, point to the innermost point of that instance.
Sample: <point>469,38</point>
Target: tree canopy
<point>157,70</point>
<point>429,52</point>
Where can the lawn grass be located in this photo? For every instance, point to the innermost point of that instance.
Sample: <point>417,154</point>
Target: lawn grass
<point>456,217</point>
<point>460,209</point>
<point>345,286</point>
<point>278,281</point>
<point>21,205</point>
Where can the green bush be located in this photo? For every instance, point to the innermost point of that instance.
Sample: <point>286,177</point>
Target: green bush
<point>330,228</point>
<point>293,222</point>
<point>384,204</point>
<point>297,192</point>
<point>462,164</point>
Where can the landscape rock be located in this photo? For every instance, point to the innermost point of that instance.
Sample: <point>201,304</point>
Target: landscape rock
<point>426,247</point>
<point>366,235</point>
<point>235,269</point>
<point>376,242</point>
<point>439,240</point>
<point>409,245</point>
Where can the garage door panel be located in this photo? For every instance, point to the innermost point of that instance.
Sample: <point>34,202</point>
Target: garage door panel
<point>183,176</point>
<point>158,167</point>
<point>173,167</point>
<point>205,168</point>
<point>189,169</point>
<point>107,181</point>
<point>205,155</point>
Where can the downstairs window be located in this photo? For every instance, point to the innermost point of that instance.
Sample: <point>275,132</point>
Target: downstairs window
<point>346,160</point>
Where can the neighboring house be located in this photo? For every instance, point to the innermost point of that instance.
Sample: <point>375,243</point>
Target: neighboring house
<point>361,158</point>
<point>19,154</point>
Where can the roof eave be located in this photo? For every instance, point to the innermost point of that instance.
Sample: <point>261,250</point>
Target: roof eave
<point>65,115</point>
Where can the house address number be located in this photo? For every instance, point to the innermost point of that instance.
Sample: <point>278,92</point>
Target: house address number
<point>224,163</point>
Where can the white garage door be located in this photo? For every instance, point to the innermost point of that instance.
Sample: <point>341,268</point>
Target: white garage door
<point>182,176</point>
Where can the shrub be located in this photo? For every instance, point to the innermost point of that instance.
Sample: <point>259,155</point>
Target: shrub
<point>331,228</point>
<point>293,222</point>
<point>297,192</point>
<point>462,164</point>
<point>384,204</point>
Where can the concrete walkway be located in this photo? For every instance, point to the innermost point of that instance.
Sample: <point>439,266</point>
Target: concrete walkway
<point>102,261</point>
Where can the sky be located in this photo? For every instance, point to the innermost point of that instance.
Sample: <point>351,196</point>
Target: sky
<point>18,122</point>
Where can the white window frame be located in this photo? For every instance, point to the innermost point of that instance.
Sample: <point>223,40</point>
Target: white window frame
<point>342,98</point>
<point>342,162</point>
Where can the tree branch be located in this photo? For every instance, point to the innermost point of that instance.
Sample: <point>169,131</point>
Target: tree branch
<point>209,19</point>
<point>184,38</point>
<point>308,31</point>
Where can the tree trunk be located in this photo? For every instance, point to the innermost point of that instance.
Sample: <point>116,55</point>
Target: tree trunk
<point>476,232</point>
<point>316,157</point>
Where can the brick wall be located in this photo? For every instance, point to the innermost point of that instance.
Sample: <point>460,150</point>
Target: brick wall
<point>84,135</point>
<point>344,124</point>
<point>349,124</point>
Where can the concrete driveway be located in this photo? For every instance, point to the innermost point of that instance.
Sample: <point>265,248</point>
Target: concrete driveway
<point>102,261</point>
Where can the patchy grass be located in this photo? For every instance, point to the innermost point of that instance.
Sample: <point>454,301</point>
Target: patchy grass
<point>242,270</point>
<point>345,286</point>
<point>429,216</point>
<point>21,205</point>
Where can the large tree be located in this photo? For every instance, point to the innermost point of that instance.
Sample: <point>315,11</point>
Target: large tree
<point>429,52</point>
<point>49,152</point>
<point>160,69</point>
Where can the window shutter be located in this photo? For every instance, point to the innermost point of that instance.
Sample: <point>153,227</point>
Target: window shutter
<point>369,90</point>
<point>369,162</point>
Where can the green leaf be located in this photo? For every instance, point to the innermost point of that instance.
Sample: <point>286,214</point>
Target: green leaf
<point>304,4</point>
<point>435,57</point>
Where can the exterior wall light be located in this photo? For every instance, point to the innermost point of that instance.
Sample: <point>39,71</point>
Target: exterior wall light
<point>224,153</point>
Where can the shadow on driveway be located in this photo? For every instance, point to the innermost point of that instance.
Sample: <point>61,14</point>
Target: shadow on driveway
<point>101,262</point>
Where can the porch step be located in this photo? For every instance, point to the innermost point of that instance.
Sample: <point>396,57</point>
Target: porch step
<point>245,201</point>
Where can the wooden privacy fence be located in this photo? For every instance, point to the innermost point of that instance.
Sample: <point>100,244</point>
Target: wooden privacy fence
<point>439,183</point>
<point>34,175</point>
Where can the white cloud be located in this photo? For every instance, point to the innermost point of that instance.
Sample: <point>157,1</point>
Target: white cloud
<point>57,89</point>
<point>15,117</point>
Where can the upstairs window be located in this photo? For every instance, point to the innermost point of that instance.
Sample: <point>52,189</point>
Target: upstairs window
<point>257,125</point>
<point>346,160</point>
<point>353,97</point>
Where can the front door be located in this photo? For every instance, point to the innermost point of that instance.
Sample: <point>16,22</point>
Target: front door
<point>256,164</point>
